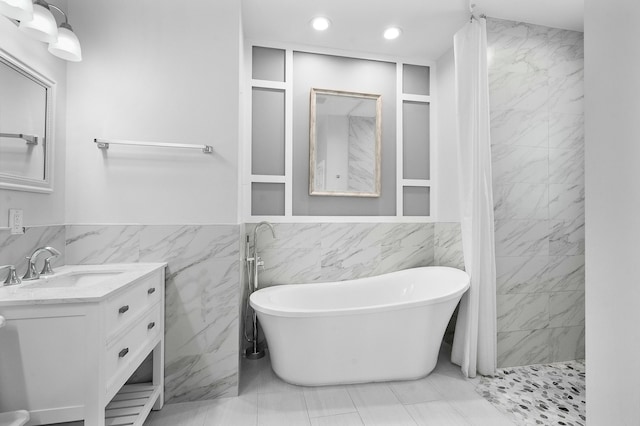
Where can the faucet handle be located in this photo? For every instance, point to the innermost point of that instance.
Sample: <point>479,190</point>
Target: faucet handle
<point>47,269</point>
<point>12,277</point>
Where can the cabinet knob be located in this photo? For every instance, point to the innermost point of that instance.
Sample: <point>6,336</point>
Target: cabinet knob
<point>123,309</point>
<point>151,325</point>
<point>123,353</point>
<point>151,290</point>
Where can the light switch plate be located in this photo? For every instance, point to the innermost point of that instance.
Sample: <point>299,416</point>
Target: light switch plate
<point>15,221</point>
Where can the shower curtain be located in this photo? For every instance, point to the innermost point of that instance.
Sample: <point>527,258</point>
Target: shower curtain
<point>474,344</point>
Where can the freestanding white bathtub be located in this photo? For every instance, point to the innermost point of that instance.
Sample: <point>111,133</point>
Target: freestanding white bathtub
<point>387,327</point>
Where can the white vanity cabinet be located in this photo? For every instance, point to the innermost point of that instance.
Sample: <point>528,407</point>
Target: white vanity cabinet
<point>66,352</point>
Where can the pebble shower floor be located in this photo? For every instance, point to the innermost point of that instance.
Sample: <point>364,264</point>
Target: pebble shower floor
<point>549,394</point>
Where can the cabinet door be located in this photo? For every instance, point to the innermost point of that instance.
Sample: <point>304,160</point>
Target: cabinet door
<point>43,361</point>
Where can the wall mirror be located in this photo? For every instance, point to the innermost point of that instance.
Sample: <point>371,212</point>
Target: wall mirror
<point>26,127</point>
<point>344,143</point>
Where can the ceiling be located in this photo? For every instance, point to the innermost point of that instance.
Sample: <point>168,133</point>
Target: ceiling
<point>427,26</point>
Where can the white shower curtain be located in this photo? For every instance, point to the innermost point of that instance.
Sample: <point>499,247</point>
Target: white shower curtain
<point>474,344</point>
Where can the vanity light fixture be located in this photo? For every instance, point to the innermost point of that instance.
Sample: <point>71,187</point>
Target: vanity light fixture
<point>67,46</point>
<point>320,23</point>
<point>20,10</point>
<point>392,33</point>
<point>43,26</point>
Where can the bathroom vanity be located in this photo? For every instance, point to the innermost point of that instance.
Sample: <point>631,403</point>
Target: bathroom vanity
<point>73,339</point>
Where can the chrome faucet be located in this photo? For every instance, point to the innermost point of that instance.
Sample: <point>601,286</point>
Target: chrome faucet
<point>12,277</point>
<point>257,260</point>
<point>32,272</point>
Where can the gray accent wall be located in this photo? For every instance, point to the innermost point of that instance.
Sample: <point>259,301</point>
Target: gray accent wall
<point>351,75</point>
<point>537,120</point>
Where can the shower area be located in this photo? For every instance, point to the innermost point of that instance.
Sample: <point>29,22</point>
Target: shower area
<point>537,142</point>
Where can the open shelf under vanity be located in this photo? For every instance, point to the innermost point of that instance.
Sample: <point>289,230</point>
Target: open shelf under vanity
<point>131,405</point>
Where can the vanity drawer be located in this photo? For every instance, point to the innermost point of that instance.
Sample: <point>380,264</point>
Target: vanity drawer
<point>126,306</point>
<point>121,351</point>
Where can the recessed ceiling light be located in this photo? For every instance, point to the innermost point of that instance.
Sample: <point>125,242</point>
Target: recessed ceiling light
<point>320,23</point>
<point>392,32</point>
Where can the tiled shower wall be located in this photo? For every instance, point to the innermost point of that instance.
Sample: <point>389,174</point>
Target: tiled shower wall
<point>536,99</point>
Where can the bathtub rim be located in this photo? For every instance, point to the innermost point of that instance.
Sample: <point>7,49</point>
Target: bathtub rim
<point>308,313</point>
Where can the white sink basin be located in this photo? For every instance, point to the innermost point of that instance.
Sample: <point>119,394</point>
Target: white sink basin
<point>73,279</point>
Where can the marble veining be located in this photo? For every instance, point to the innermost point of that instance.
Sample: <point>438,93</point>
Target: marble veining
<point>566,237</point>
<point>96,244</point>
<point>565,273</point>
<point>566,308</point>
<point>537,128</point>
<point>566,166</point>
<point>566,131</point>
<point>518,312</point>
<point>539,274</point>
<point>519,90</point>
<point>521,237</point>
<point>15,248</point>
<point>566,92</point>
<point>521,274</point>
<point>567,343</point>
<point>304,253</point>
<point>524,347</point>
<point>202,296</point>
<point>519,164</point>
<point>448,245</point>
<point>520,128</point>
<point>566,201</point>
<point>521,201</point>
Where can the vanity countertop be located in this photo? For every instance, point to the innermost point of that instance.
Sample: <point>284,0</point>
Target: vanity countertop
<point>77,283</point>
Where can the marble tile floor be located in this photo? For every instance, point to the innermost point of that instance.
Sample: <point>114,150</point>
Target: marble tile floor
<point>443,398</point>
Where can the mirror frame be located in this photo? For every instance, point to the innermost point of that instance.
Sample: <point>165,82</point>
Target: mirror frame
<point>21,183</point>
<point>313,142</point>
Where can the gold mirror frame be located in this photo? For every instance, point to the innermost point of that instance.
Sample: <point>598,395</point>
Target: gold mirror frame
<point>313,143</point>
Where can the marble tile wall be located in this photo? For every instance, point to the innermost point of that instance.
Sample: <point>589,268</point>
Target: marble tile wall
<point>311,252</point>
<point>202,296</point>
<point>15,248</point>
<point>537,133</point>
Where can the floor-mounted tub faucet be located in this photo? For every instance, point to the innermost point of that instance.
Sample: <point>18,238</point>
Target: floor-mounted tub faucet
<point>257,260</point>
<point>253,262</point>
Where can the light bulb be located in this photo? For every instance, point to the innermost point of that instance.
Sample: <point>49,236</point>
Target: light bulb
<point>392,33</point>
<point>320,23</point>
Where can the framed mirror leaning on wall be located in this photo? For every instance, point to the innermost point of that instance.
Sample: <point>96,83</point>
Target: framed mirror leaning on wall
<point>345,132</point>
<point>26,127</point>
